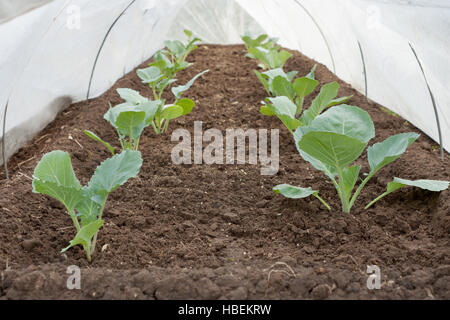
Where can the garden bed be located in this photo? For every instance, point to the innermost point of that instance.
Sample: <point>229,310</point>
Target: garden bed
<point>216,231</point>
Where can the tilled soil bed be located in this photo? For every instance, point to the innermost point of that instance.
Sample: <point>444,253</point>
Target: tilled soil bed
<point>217,231</point>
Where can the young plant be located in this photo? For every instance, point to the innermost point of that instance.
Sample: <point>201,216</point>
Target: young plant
<point>332,141</point>
<point>271,58</point>
<point>129,119</point>
<point>167,63</point>
<point>266,51</point>
<point>283,85</point>
<point>54,176</point>
<point>262,41</point>
<point>290,113</point>
<point>137,112</point>
<point>163,113</point>
<point>178,51</point>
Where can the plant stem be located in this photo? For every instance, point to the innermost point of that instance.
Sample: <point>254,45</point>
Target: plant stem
<point>361,186</point>
<point>121,144</point>
<point>342,194</point>
<point>75,220</point>
<point>299,106</point>
<point>166,124</point>
<point>376,199</point>
<point>323,201</point>
<point>94,241</point>
<point>136,145</point>
<point>154,127</point>
<point>88,254</point>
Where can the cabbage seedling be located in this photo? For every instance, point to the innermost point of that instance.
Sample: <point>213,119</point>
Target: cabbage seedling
<point>167,63</point>
<point>129,119</point>
<point>54,176</point>
<point>157,81</point>
<point>271,58</point>
<point>262,41</point>
<point>178,51</point>
<point>283,85</point>
<point>332,141</point>
<point>289,112</point>
<point>266,51</point>
<point>163,113</point>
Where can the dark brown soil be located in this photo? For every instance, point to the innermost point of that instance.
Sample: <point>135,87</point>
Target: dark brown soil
<point>208,232</point>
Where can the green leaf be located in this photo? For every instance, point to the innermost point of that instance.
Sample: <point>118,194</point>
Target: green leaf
<point>310,75</point>
<point>330,171</point>
<point>186,104</point>
<point>164,83</point>
<point>130,95</point>
<point>85,235</point>
<point>282,87</point>
<point>276,72</point>
<point>327,93</point>
<point>281,58</point>
<point>304,86</point>
<point>68,196</point>
<point>170,112</point>
<point>350,177</point>
<point>347,120</point>
<point>188,33</point>
<point>149,75</point>
<point>161,62</point>
<point>112,114</point>
<point>115,171</point>
<point>291,123</point>
<point>176,47</point>
<point>150,108</point>
<point>89,208</point>
<point>383,153</point>
<point>93,136</point>
<point>397,183</point>
<point>270,75</point>
<point>291,75</point>
<point>56,167</point>
<point>178,91</point>
<point>430,185</point>
<point>339,101</point>
<point>265,110</point>
<point>333,149</point>
<point>54,176</point>
<point>263,80</point>
<point>283,106</point>
<point>293,192</point>
<point>131,123</point>
<point>285,110</point>
<point>261,54</point>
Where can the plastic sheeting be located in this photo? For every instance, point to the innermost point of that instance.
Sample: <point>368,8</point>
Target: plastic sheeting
<point>10,9</point>
<point>47,55</point>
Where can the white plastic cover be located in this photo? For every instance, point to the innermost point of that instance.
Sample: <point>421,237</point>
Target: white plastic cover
<point>47,54</point>
<point>10,9</point>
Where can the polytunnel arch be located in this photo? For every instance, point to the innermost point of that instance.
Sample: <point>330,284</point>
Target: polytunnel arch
<point>359,55</point>
<point>103,43</point>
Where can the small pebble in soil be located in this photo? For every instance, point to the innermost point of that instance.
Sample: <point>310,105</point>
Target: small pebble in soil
<point>322,291</point>
<point>30,244</point>
<point>230,217</point>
